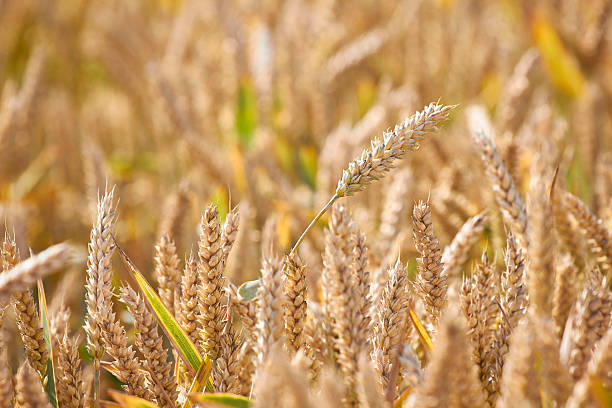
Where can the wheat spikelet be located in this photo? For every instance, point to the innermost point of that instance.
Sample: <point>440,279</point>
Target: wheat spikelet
<point>26,314</point>
<point>295,306</point>
<point>29,392</point>
<point>6,376</point>
<point>228,367</point>
<point>599,236</point>
<point>70,387</point>
<point>391,320</point>
<point>507,197</point>
<point>99,274</point>
<point>455,254</point>
<point>167,271</point>
<point>270,299</point>
<point>431,282</point>
<point>450,379</point>
<point>210,290</point>
<point>150,344</point>
<point>375,162</point>
<point>26,273</point>
<point>591,321</point>
<point>540,272</point>
<point>564,296</point>
<point>188,304</point>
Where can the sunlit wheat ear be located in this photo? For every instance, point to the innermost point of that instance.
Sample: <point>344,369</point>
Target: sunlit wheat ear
<point>375,162</point>
<point>187,311</point>
<point>29,392</point>
<point>6,375</point>
<point>246,310</point>
<point>600,238</point>
<point>230,231</point>
<point>270,299</point>
<point>566,227</point>
<point>507,196</point>
<point>431,282</point>
<point>345,296</point>
<point>99,274</point>
<point>451,377</point>
<point>227,369</point>
<point>457,252</point>
<point>383,155</point>
<point>70,387</point>
<point>210,292</point>
<point>391,321</point>
<point>590,322</point>
<point>25,274</point>
<point>295,306</point>
<point>167,270</point>
<point>26,314</point>
<point>598,372</point>
<point>150,344</point>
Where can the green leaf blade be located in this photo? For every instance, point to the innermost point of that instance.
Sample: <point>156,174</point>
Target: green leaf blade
<point>44,317</point>
<point>221,400</point>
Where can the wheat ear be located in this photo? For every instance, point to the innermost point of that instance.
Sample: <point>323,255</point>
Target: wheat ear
<point>457,252</point>
<point>295,306</point>
<point>167,271</point>
<point>150,344</point>
<point>599,236</point>
<point>432,281</point>
<point>507,196</point>
<point>187,311</point>
<point>564,295</point>
<point>25,274</point>
<point>26,314</point>
<point>70,387</point>
<point>228,367</point>
<point>375,162</point>
<point>29,392</point>
<point>391,321</point>
<point>210,291</point>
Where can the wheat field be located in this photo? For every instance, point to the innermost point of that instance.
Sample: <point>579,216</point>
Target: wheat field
<point>305,203</point>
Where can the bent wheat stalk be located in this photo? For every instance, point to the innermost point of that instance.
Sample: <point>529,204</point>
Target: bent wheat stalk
<point>382,155</point>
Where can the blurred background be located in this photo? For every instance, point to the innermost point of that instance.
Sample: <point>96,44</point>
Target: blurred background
<point>261,104</point>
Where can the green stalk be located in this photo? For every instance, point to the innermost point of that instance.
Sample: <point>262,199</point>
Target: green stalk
<point>312,223</point>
